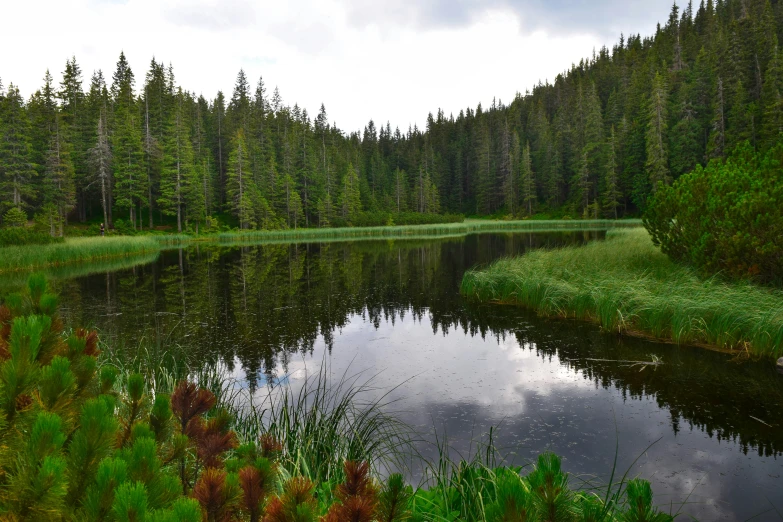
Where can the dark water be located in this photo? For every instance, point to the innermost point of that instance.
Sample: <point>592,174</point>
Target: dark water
<point>713,425</point>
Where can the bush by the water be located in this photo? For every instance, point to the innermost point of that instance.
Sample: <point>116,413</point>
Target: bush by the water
<point>17,236</point>
<point>80,440</point>
<point>726,218</point>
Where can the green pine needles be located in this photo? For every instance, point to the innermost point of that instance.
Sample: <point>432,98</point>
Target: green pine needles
<point>80,441</point>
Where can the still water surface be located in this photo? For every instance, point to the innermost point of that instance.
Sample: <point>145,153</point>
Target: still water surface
<point>715,423</point>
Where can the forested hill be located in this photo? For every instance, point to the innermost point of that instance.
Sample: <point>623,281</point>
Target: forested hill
<point>595,142</point>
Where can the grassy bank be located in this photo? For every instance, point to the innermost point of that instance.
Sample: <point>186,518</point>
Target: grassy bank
<point>73,250</point>
<point>443,229</point>
<point>627,285</point>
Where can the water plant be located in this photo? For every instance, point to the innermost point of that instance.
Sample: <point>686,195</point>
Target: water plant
<point>627,285</point>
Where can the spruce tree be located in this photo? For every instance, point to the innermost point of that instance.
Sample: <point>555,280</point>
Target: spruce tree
<point>772,99</point>
<point>17,175</point>
<point>238,181</point>
<point>129,183</point>
<point>527,180</point>
<point>350,198</point>
<point>611,192</point>
<point>179,180</point>
<point>657,136</point>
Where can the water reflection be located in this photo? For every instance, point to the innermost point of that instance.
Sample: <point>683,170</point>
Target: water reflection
<point>394,306</point>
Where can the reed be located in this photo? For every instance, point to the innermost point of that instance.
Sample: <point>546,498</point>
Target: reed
<point>74,250</point>
<point>443,229</point>
<point>627,285</point>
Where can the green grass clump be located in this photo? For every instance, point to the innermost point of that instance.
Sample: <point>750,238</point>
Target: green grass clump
<point>627,285</point>
<point>73,250</point>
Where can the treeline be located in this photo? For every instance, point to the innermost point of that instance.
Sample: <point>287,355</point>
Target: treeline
<point>596,142</point>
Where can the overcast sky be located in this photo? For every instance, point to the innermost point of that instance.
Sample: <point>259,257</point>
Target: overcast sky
<point>386,60</point>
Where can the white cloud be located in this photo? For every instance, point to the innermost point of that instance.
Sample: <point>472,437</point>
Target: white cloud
<point>396,62</point>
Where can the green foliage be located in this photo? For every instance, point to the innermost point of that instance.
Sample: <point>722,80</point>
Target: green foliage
<point>14,217</point>
<point>726,218</point>
<point>17,236</point>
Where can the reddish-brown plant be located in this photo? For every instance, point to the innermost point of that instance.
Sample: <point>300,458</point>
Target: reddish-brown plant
<point>188,402</point>
<point>5,332</point>
<point>297,492</point>
<point>215,497</point>
<point>212,442</point>
<point>256,486</point>
<point>354,509</point>
<point>357,496</point>
<point>357,481</point>
<point>90,341</point>
<point>271,448</point>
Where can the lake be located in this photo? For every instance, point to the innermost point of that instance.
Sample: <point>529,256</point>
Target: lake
<point>704,427</point>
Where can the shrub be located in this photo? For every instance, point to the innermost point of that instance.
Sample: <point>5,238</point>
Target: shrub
<point>15,217</point>
<point>17,236</point>
<point>726,218</point>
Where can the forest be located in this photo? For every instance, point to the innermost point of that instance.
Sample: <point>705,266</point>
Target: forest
<point>143,151</point>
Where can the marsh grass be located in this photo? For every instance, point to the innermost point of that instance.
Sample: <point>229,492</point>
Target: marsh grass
<point>74,250</point>
<point>420,231</point>
<point>93,249</point>
<point>627,285</point>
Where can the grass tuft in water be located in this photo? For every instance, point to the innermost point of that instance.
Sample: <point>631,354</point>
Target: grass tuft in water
<point>74,250</point>
<point>627,285</point>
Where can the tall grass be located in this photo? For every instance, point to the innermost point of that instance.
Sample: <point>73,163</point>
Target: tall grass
<point>627,285</point>
<point>73,250</point>
<point>442,229</point>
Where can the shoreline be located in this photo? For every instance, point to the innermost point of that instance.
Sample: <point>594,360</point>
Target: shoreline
<point>95,249</point>
<point>627,287</point>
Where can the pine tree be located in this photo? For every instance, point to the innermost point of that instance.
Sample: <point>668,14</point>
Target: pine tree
<point>351,202</point>
<point>507,170</point>
<point>772,99</point>
<point>527,180</point>
<point>717,142</point>
<point>179,181</point>
<point>239,179</point>
<point>657,137</point>
<point>584,184</point>
<point>129,187</point>
<point>59,191</point>
<point>17,175</point>
<point>611,193</point>
<point>100,159</point>
<point>400,189</point>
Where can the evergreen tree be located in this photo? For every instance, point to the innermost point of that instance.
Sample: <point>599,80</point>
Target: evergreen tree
<point>17,175</point>
<point>239,182</point>
<point>772,99</point>
<point>59,189</point>
<point>129,181</point>
<point>351,202</point>
<point>657,137</point>
<point>527,181</point>
<point>180,182</point>
<point>611,193</point>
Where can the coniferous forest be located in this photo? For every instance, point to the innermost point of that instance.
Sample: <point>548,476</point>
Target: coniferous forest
<point>136,147</point>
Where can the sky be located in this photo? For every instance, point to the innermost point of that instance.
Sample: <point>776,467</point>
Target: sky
<point>391,61</point>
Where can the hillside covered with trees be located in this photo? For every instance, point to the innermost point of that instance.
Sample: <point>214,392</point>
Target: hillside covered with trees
<point>596,141</point>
